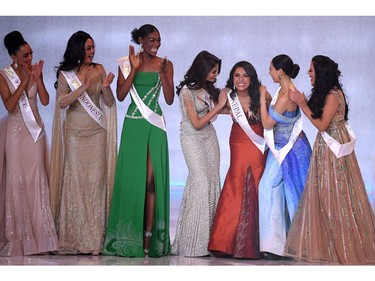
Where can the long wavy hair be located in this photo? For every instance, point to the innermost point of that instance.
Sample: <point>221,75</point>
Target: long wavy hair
<point>253,90</point>
<point>74,54</point>
<point>195,77</point>
<point>326,78</point>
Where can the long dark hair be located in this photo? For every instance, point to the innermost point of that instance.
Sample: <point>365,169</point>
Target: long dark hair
<point>195,77</point>
<point>74,54</point>
<point>285,63</point>
<point>13,41</point>
<point>326,78</point>
<point>253,90</point>
<point>142,32</point>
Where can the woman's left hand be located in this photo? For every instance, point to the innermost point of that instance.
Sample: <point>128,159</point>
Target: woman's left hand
<point>163,65</point>
<point>108,80</point>
<point>297,97</point>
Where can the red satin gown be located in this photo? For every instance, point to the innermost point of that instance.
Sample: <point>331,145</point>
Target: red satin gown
<point>235,230</point>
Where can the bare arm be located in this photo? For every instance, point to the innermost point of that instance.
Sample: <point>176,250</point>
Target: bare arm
<point>37,75</point>
<point>329,110</point>
<point>265,100</point>
<point>10,101</point>
<point>166,76</point>
<point>123,85</point>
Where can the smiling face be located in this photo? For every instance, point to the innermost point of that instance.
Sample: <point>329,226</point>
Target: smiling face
<point>274,73</point>
<point>311,73</point>
<point>151,43</point>
<point>241,80</point>
<point>24,56</point>
<point>89,51</point>
<point>214,72</point>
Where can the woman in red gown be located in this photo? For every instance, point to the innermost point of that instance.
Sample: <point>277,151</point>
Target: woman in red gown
<point>235,230</point>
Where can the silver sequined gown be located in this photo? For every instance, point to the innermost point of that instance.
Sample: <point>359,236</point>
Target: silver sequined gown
<point>202,188</point>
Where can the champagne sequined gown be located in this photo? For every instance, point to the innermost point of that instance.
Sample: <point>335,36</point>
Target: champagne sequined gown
<point>202,188</point>
<point>83,161</point>
<point>334,222</point>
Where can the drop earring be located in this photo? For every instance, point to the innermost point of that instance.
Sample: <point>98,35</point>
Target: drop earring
<point>15,64</point>
<point>141,48</point>
<point>79,61</point>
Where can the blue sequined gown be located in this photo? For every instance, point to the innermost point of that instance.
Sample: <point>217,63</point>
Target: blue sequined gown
<point>281,186</point>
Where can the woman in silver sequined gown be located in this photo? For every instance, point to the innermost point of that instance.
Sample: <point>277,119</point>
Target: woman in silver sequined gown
<point>202,155</point>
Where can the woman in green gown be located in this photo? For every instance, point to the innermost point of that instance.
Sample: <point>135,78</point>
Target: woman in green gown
<point>139,218</point>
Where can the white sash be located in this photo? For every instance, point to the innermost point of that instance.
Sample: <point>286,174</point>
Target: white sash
<point>206,97</point>
<point>27,113</point>
<point>85,101</point>
<point>152,117</point>
<point>337,148</point>
<point>241,119</point>
<point>268,135</point>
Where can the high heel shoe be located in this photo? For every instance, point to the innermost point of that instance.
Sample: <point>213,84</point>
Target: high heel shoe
<point>147,235</point>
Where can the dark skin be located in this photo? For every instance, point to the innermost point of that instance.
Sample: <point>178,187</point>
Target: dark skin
<point>148,61</point>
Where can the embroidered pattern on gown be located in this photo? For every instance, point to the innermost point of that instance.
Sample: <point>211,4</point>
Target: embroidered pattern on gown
<point>282,185</point>
<point>26,222</point>
<point>125,229</point>
<point>83,162</point>
<point>334,222</point>
<point>235,231</point>
<point>202,187</point>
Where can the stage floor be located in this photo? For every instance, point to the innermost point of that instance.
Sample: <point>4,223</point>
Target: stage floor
<point>88,260</point>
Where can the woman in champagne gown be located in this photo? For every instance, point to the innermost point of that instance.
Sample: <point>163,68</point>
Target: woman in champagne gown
<point>334,222</point>
<point>199,104</point>
<point>139,218</point>
<point>235,230</point>
<point>83,149</point>
<point>26,222</point>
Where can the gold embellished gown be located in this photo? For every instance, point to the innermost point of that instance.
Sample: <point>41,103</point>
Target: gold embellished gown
<point>334,222</point>
<point>83,163</point>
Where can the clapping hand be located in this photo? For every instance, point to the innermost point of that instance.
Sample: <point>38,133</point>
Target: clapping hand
<point>135,59</point>
<point>108,80</point>
<point>163,64</point>
<point>298,97</point>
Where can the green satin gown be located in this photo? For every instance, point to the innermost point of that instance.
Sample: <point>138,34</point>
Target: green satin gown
<point>124,236</point>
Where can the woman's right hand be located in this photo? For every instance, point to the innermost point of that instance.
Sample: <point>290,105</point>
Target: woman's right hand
<point>223,97</point>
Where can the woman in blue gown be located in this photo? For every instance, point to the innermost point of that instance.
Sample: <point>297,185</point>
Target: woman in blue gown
<point>287,163</point>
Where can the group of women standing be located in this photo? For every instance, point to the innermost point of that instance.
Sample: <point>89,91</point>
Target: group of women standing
<point>280,198</point>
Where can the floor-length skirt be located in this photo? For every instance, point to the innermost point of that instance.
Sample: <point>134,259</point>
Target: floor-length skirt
<point>125,229</point>
<point>334,222</point>
<point>235,231</point>
<point>280,190</point>
<point>201,193</point>
<point>27,225</point>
